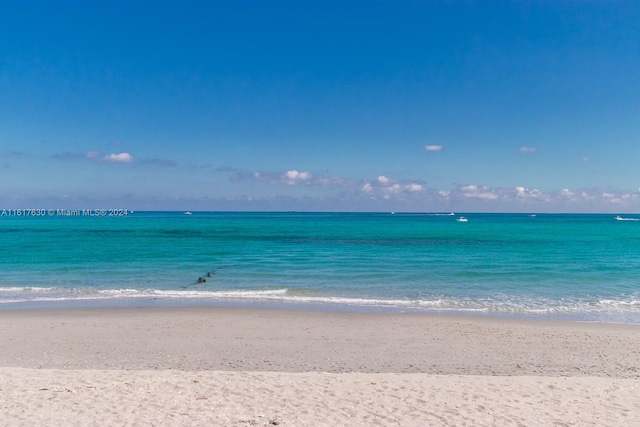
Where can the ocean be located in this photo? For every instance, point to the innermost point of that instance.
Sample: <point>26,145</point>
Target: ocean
<point>578,267</point>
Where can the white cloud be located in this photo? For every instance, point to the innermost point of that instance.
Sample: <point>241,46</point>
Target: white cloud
<point>384,188</point>
<point>395,188</point>
<point>563,200</point>
<point>523,193</point>
<point>483,195</point>
<point>380,190</point>
<point>479,192</point>
<point>120,157</point>
<point>294,175</point>
<point>290,178</point>
<point>433,147</point>
<point>92,154</point>
<point>528,149</point>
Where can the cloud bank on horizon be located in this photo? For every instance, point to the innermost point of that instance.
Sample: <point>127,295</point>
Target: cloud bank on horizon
<point>346,193</point>
<point>403,106</point>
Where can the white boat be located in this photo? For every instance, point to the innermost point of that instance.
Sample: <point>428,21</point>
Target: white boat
<point>462,219</point>
<point>619,218</point>
<point>187,213</point>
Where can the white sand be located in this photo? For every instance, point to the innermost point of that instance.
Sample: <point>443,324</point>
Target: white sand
<point>98,397</point>
<point>211,366</point>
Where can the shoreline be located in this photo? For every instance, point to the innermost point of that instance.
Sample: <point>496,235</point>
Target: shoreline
<point>630,318</point>
<point>204,366</point>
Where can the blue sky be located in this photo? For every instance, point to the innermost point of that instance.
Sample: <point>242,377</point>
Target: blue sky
<point>523,106</point>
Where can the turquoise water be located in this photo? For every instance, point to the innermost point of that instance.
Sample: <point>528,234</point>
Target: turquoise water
<point>582,267</point>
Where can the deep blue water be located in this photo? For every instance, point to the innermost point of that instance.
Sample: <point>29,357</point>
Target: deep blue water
<point>581,267</point>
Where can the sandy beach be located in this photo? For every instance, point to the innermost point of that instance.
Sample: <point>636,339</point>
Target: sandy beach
<point>244,367</point>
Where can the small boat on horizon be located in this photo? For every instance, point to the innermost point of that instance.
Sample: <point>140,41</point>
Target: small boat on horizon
<point>462,219</point>
<point>187,213</point>
<point>619,218</point>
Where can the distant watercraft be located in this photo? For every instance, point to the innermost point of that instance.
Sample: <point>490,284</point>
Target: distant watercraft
<point>619,218</point>
<point>462,219</point>
<point>187,213</point>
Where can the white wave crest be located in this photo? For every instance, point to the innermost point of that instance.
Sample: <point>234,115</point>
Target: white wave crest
<point>619,303</point>
<point>26,289</point>
<point>500,304</point>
